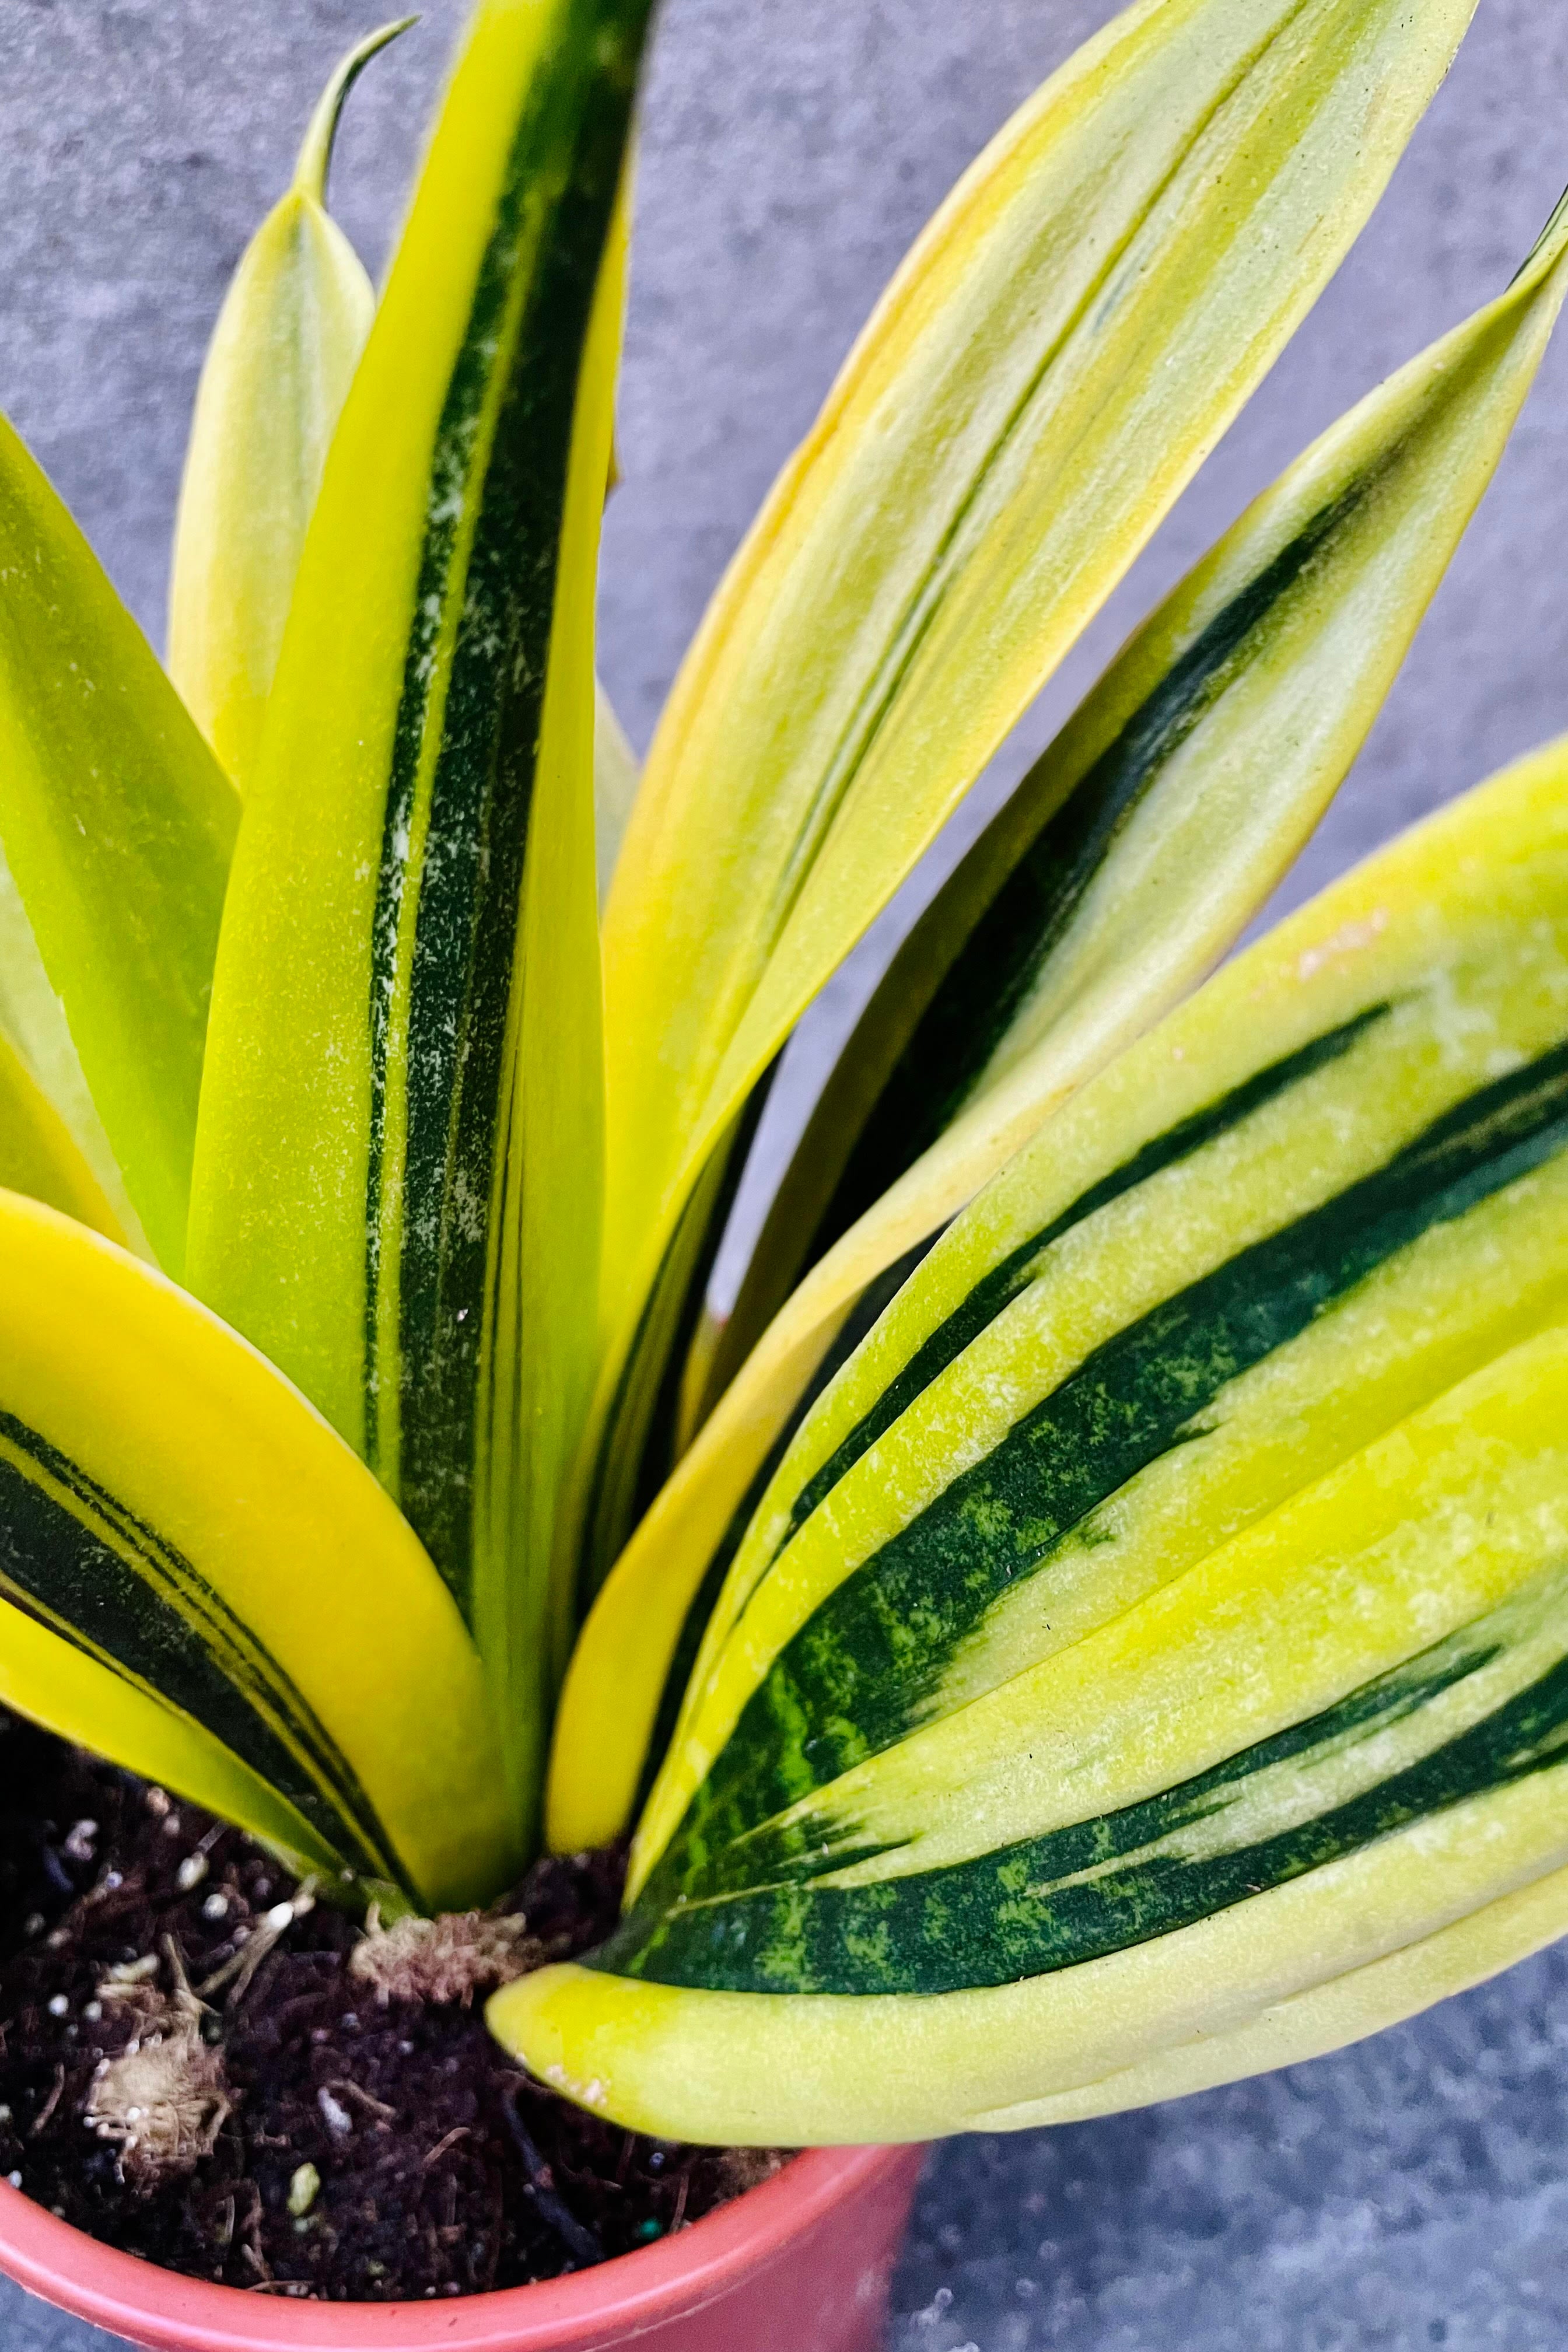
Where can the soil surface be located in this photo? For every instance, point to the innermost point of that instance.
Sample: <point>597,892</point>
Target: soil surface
<point>440,2169</point>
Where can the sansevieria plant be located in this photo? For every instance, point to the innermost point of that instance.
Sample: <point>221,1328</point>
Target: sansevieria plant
<point>1093,1620</point>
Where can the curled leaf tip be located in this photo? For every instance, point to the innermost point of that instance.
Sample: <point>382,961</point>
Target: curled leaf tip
<point>316,153</point>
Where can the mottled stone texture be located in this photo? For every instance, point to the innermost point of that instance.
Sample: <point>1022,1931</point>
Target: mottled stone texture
<point>1409,2193</point>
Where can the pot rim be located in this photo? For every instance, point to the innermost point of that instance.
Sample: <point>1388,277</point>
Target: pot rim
<point>119,2291</point>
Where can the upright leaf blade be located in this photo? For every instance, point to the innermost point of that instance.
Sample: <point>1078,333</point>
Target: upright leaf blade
<point>1068,339</point>
<point>1163,1612</point>
<point>399,1158</point>
<point>283,353</point>
<point>116,825</point>
<point>1124,865</point>
<point>180,1518</point>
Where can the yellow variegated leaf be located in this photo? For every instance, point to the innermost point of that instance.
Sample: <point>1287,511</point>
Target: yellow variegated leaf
<point>116,825</point>
<point>1297,2026</point>
<point>1072,333</point>
<point>180,1519</point>
<point>399,1162</point>
<point>45,1675</point>
<point>283,355</point>
<point>1127,862</point>
<point>1314,1060</point>
<point>1164,1613</point>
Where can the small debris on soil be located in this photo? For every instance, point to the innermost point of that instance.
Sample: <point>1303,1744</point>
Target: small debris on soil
<point>163,2101</point>
<point>450,1958</point>
<point>210,2068</point>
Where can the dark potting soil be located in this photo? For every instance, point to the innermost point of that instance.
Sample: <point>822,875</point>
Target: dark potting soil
<point>443,2170</point>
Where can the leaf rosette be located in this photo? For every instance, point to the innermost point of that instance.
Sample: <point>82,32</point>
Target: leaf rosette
<point>1090,1620</point>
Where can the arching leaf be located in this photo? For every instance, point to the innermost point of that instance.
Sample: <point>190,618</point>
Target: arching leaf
<point>1162,1614</point>
<point>1127,862</point>
<point>176,1519</point>
<point>1063,347</point>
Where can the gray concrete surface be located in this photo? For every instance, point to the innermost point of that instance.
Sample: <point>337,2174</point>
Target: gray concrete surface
<point>1414,2192</point>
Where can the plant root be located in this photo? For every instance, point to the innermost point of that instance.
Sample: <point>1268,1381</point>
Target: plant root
<point>446,1959</point>
<point>165,2099</point>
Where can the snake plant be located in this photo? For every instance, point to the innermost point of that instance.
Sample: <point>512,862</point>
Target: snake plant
<point>1093,1619</point>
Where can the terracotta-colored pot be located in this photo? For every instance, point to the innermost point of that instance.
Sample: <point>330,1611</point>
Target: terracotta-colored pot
<point>800,2264</point>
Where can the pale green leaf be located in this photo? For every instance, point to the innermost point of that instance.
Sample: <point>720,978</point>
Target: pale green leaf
<point>116,825</point>
<point>283,353</point>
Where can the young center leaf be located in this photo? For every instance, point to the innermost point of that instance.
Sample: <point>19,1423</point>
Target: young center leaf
<point>1127,860</point>
<point>1160,1619</point>
<point>1067,339</point>
<point>284,350</point>
<point>399,1156</point>
<point>201,1582</point>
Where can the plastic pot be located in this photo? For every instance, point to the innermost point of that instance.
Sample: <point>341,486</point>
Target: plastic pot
<point>800,2264</point>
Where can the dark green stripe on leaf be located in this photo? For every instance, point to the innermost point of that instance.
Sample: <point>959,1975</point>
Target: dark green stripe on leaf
<point>503,462</point>
<point>1094,1887</point>
<point>100,1576</point>
<point>857,1676</point>
<point>1008,947</point>
<point>637,1443</point>
<point>705,1600</point>
<point>1020,1266</point>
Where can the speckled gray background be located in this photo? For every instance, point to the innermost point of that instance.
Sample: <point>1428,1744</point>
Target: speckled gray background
<point>1412,2192</point>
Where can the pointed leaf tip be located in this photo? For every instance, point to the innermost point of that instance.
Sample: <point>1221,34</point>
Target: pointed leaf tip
<point>316,151</point>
